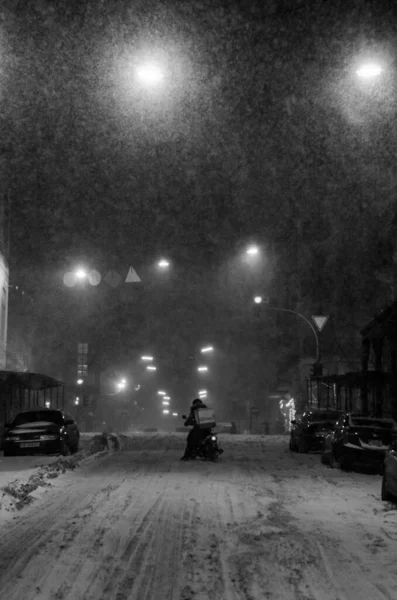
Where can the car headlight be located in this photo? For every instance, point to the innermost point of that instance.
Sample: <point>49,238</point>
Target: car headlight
<point>47,437</point>
<point>12,438</point>
<point>213,438</point>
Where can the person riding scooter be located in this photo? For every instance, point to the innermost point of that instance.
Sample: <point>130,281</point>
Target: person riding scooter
<point>196,434</point>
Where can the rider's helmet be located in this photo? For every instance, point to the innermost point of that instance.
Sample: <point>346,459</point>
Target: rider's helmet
<point>197,401</point>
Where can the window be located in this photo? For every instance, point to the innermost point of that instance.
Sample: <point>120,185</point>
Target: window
<point>82,360</point>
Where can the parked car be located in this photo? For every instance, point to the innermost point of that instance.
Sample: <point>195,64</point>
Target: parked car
<point>389,479</point>
<point>43,431</point>
<point>309,432</point>
<point>359,440</point>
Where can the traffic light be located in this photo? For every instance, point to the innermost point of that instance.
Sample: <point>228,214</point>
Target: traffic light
<point>317,369</point>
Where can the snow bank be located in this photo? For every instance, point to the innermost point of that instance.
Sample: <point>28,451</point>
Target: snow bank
<point>18,489</point>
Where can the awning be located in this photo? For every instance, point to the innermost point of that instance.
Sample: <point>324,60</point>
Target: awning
<point>31,381</point>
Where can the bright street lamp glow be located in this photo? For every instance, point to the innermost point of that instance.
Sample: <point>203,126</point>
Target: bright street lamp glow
<point>369,71</point>
<point>166,403</point>
<point>167,397</point>
<point>123,380</point>
<point>166,411</point>
<point>202,369</point>
<point>207,349</point>
<point>174,414</point>
<point>150,74</point>
<point>81,273</point>
<point>202,392</point>
<point>80,381</point>
<point>258,299</point>
<point>121,384</point>
<point>163,264</point>
<point>252,250</point>
<point>161,393</point>
<point>151,368</point>
<point>148,358</point>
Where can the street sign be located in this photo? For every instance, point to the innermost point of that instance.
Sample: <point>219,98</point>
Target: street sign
<point>320,321</point>
<point>132,276</point>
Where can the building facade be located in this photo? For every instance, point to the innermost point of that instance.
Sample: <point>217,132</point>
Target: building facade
<point>4,275</point>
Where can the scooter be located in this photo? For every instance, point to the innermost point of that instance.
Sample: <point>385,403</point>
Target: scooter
<point>208,448</point>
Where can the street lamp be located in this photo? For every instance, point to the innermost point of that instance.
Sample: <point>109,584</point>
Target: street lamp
<point>163,263</point>
<point>174,414</point>
<point>151,368</point>
<point>80,381</point>
<point>252,250</point>
<point>206,349</point>
<point>202,369</point>
<point>259,299</point>
<point>161,393</point>
<point>81,274</point>
<point>150,74</point>
<point>369,71</point>
<point>165,403</point>
<point>167,398</point>
<point>166,411</point>
<point>147,358</point>
<point>121,385</point>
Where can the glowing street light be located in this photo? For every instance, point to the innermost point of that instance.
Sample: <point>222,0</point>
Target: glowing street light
<point>166,411</point>
<point>81,273</point>
<point>207,349</point>
<point>163,263</point>
<point>167,398</point>
<point>80,381</point>
<point>369,71</point>
<point>202,369</point>
<point>258,299</point>
<point>77,400</point>
<point>147,358</point>
<point>161,393</point>
<point>174,414</point>
<point>121,385</point>
<point>151,368</point>
<point>165,403</point>
<point>252,250</point>
<point>150,74</point>
<point>202,392</point>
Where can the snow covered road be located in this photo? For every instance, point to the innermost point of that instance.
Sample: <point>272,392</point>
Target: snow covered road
<point>262,523</point>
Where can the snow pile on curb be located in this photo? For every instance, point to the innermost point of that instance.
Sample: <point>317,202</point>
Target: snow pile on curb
<point>19,492</point>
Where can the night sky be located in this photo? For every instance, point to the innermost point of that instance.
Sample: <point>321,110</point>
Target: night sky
<point>259,132</point>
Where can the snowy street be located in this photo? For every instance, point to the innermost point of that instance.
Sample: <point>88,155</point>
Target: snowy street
<point>262,523</point>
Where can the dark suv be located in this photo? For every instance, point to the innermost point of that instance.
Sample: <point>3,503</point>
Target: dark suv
<point>41,430</point>
<point>309,432</point>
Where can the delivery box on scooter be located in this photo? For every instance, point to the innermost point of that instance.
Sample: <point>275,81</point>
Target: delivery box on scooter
<point>205,418</point>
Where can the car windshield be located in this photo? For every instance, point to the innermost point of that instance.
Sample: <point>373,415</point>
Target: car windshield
<point>379,423</point>
<point>35,416</point>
